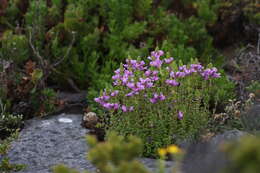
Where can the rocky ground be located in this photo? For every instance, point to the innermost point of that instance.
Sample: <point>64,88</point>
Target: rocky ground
<point>59,139</point>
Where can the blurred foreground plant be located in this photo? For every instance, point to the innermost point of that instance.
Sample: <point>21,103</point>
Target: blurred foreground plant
<point>173,152</point>
<point>113,156</point>
<point>244,155</point>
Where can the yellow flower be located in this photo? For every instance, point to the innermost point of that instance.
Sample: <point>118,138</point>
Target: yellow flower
<point>174,149</point>
<point>162,152</point>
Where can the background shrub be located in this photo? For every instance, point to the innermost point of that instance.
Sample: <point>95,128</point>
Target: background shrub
<point>107,31</point>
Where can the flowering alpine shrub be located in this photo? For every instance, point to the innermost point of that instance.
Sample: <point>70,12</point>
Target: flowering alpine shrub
<point>159,100</point>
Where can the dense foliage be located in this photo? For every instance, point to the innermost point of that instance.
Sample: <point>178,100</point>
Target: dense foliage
<point>79,43</point>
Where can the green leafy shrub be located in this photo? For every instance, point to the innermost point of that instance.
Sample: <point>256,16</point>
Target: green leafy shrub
<point>44,101</point>
<point>14,47</point>
<point>8,123</point>
<point>109,31</point>
<point>116,155</point>
<point>254,87</point>
<point>161,101</point>
<point>5,165</point>
<point>244,155</point>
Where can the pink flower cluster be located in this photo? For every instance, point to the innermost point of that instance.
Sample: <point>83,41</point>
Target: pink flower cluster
<point>102,100</point>
<point>157,97</point>
<point>136,77</point>
<point>194,68</point>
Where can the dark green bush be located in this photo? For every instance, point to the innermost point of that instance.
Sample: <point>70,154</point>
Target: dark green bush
<point>14,47</point>
<point>108,31</point>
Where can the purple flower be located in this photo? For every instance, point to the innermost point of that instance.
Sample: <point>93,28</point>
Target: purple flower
<point>207,73</point>
<point>131,108</point>
<point>124,79</point>
<point>181,68</point>
<point>142,80</point>
<point>130,85</point>
<point>196,67</point>
<point>149,85</point>
<point>135,65</point>
<point>116,106</point>
<point>114,93</point>
<point>133,61</point>
<point>179,74</point>
<point>108,105</point>
<point>153,100</point>
<point>155,72</point>
<point>157,97</point>
<point>98,100</point>
<point>115,77</point>
<point>187,72</point>
<point>172,82</point>
<point>172,74</point>
<point>216,75</point>
<point>130,94</point>
<point>162,97</point>
<point>140,86</point>
<point>128,73</point>
<point>141,63</point>
<point>117,71</point>
<point>148,73</point>
<point>105,97</point>
<point>156,63</point>
<point>180,115</point>
<point>124,108</point>
<point>168,60</point>
<point>155,78</point>
<point>157,54</point>
<point>116,83</point>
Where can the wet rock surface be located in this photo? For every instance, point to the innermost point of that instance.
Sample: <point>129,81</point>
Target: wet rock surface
<point>44,143</point>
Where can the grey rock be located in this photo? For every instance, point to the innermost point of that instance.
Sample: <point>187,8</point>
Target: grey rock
<point>72,98</point>
<point>44,143</point>
<point>206,157</point>
<point>251,118</point>
<point>74,103</point>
